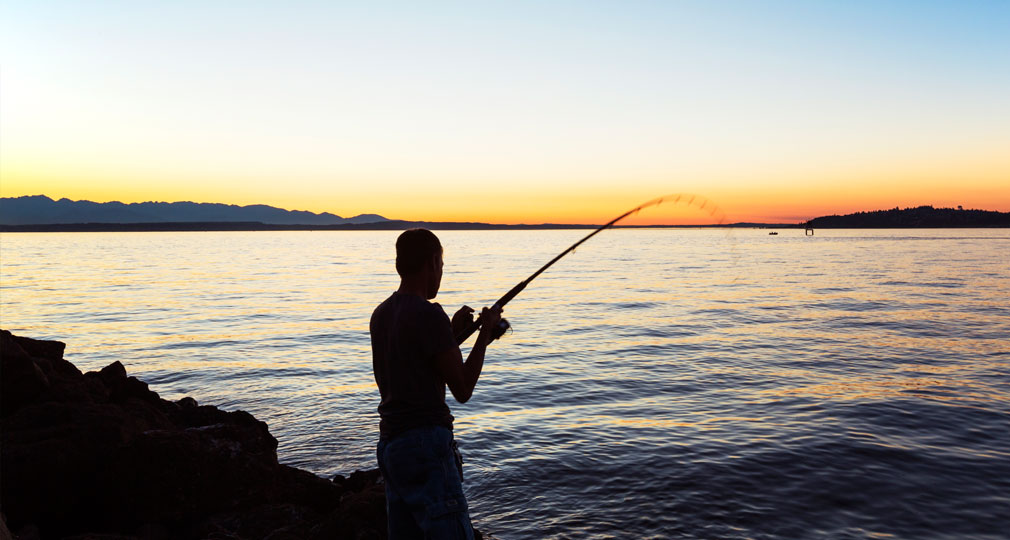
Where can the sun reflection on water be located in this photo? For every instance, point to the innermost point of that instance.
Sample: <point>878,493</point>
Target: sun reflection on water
<point>758,380</point>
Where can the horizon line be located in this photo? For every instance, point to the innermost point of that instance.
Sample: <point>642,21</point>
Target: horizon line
<point>451,223</point>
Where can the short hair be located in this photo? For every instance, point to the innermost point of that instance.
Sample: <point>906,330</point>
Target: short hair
<point>414,248</point>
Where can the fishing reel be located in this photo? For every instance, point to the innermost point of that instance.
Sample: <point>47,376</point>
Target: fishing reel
<point>497,332</point>
<point>500,329</point>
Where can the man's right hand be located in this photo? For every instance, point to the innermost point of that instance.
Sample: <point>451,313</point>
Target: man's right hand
<point>489,318</point>
<point>461,377</point>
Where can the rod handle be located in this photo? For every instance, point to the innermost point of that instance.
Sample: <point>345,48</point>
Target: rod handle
<point>499,331</point>
<point>468,331</point>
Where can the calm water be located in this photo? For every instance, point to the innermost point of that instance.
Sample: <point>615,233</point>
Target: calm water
<point>658,384</point>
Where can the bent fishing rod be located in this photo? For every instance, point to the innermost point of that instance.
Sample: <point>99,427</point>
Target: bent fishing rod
<point>503,325</point>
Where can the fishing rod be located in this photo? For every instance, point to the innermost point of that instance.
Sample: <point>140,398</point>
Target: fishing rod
<point>503,325</point>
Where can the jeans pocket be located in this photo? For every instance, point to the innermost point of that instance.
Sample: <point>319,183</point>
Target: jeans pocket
<point>448,518</point>
<point>446,505</point>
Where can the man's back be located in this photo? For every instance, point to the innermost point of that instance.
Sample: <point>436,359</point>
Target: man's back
<point>407,332</point>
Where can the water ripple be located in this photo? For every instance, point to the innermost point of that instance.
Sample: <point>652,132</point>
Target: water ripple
<point>848,385</point>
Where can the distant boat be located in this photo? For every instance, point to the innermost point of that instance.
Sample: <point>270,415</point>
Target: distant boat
<point>773,233</point>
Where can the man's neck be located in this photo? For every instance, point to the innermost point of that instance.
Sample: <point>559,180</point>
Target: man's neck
<point>413,287</point>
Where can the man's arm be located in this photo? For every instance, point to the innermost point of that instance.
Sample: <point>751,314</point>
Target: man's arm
<point>461,377</point>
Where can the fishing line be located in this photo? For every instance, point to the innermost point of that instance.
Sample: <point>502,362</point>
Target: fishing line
<point>688,199</point>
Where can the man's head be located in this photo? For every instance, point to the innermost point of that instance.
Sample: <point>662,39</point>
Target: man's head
<point>419,258</point>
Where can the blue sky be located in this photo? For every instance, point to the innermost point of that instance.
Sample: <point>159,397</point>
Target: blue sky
<point>382,107</point>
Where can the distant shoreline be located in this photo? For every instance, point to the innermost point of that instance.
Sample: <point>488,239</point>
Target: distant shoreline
<point>923,217</point>
<point>380,226</point>
<point>39,213</point>
<point>402,225</point>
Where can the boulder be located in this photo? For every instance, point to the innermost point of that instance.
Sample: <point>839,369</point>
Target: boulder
<point>101,455</point>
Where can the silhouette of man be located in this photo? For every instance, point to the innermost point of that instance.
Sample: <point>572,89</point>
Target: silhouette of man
<point>414,357</point>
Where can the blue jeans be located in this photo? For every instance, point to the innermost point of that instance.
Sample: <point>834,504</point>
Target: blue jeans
<point>424,493</point>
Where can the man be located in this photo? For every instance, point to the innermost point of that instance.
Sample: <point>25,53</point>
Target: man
<point>414,357</point>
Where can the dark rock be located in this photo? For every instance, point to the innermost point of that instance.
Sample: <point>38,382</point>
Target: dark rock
<point>23,379</point>
<point>359,480</point>
<point>113,372</point>
<point>362,512</point>
<point>5,533</point>
<point>37,348</point>
<point>100,455</point>
<point>30,532</point>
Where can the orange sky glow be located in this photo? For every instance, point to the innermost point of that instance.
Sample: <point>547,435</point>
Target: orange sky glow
<point>526,114</point>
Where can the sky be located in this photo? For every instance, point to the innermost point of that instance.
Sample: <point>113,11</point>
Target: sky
<point>510,112</point>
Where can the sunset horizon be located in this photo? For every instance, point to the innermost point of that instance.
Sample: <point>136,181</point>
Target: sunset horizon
<point>678,213</point>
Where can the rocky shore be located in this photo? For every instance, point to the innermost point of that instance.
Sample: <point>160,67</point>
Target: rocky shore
<point>100,455</point>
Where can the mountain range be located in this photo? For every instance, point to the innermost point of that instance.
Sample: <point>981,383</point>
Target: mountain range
<point>39,209</point>
<point>41,213</point>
